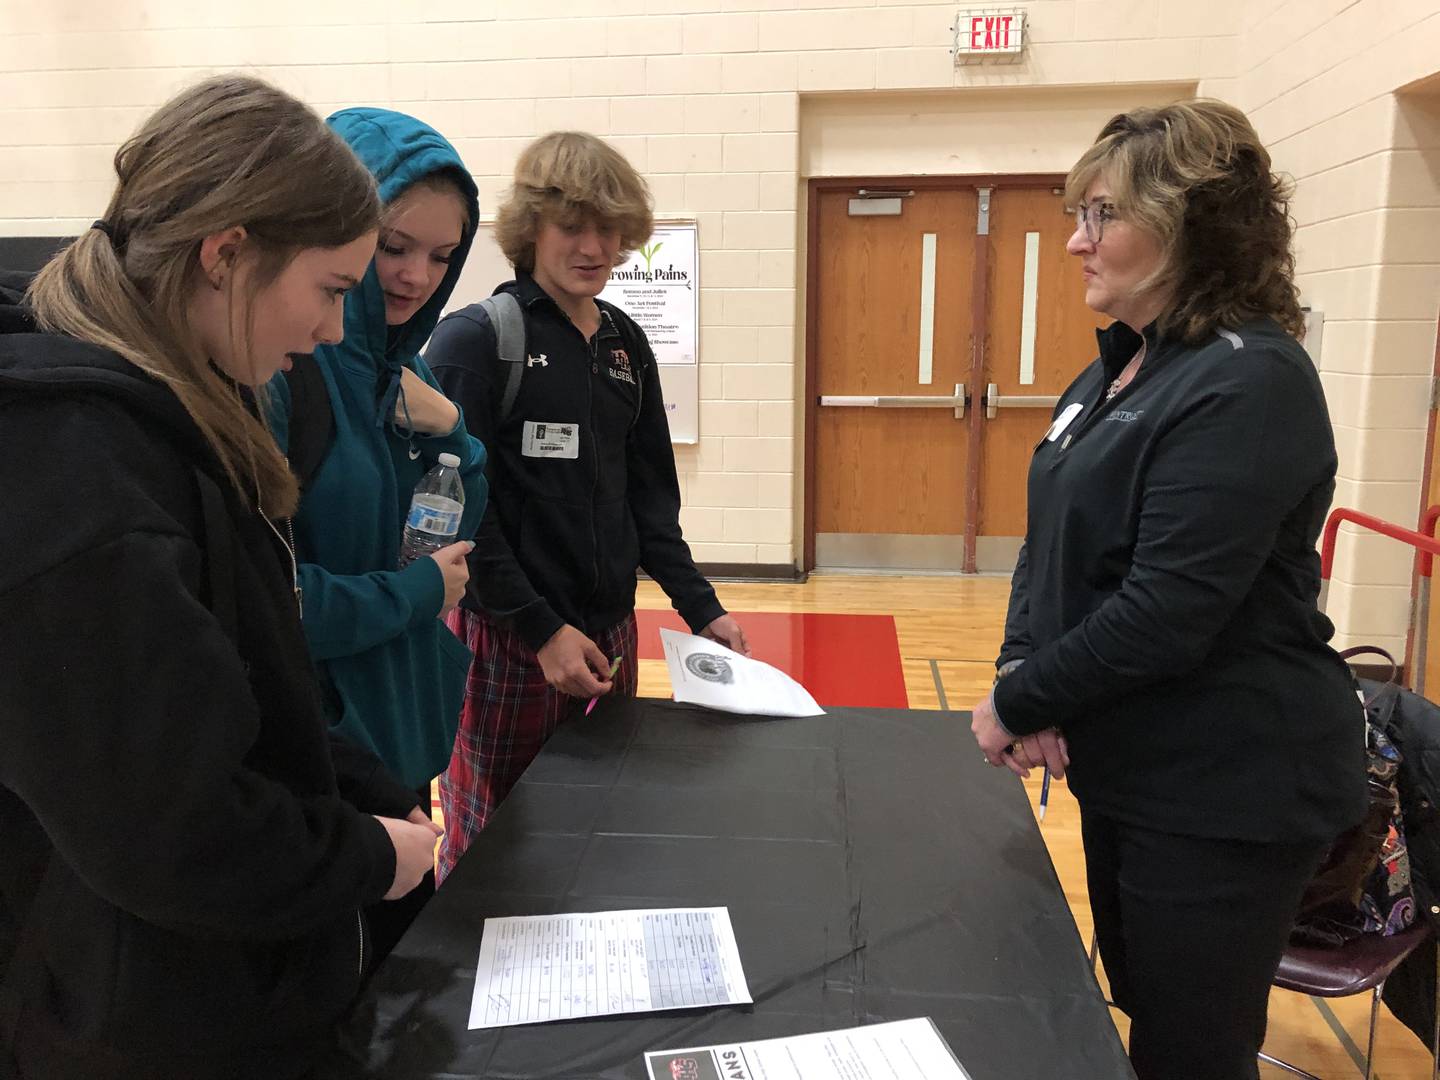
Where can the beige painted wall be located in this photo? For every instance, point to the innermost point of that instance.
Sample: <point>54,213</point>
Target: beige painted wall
<point>1026,130</point>
<point>1319,78</point>
<point>728,104</point>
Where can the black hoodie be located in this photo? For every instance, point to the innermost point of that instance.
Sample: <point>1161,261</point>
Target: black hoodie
<point>181,878</point>
<point>563,534</point>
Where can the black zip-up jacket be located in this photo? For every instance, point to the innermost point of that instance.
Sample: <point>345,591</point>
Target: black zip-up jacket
<point>563,535</point>
<point>1165,599</point>
<point>1413,724</point>
<point>181,879</point>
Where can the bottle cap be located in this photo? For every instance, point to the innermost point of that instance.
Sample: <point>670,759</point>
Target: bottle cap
<point>449,461</point>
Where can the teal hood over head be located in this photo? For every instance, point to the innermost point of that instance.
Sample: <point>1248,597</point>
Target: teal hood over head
<point>399,150</point>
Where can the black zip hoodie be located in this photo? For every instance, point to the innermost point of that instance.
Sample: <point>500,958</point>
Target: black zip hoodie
<point>1165,599</point>
<point>566,529</point>
<point>181,876</point>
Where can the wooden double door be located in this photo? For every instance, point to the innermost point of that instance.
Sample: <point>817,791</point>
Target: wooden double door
<point>945,318</point>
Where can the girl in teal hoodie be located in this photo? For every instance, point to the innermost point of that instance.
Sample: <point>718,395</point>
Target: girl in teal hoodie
<point>394,675</point>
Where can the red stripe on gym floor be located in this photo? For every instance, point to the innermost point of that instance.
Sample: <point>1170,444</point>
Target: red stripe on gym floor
<point>842,660</point>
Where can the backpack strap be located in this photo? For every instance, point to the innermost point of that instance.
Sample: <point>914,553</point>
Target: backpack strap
<point>508,319</point>
<point>312,420</point>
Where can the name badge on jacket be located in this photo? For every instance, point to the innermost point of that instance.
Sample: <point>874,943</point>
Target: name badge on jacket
<point>1063,420</point>
<point>546,440</point>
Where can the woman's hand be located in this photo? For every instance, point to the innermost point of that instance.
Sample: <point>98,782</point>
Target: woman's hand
<point>994,740</point>
<point>454,570</point>
<point>1046,749</point>
<point>418,816</point>
<point>414,846</point>
<point>431,412</point>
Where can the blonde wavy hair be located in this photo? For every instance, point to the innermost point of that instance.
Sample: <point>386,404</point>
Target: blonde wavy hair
<point>568,177</point>
<point>232,150</point>
<point>1195,176</point>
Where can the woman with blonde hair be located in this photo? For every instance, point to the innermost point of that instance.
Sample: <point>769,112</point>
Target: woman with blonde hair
<point>1163,640</point>
<point>583,485</point>
<point>182,880</point>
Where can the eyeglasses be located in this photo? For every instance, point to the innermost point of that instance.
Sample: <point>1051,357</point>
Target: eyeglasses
<point>1092,218</point>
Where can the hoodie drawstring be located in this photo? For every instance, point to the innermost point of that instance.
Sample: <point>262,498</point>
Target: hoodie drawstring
<point>393,397</point>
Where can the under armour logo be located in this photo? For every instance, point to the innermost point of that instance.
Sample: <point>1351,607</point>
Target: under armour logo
<point>531,361</point>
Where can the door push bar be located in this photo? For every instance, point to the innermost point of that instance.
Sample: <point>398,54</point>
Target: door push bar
<point>995,401</point>
<point>954,401</point>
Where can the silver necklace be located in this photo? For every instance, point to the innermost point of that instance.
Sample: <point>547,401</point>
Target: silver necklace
<point>1119,380</point>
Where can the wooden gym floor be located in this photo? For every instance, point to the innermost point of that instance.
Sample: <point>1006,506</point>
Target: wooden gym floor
<point>948,630</point>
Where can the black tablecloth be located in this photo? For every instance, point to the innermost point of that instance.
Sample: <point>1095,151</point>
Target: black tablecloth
<point>874,866</point>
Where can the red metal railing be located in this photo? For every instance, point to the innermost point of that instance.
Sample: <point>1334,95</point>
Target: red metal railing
<point>1425,542</point>
<point>1426,546</point>
<point>1428,522</point>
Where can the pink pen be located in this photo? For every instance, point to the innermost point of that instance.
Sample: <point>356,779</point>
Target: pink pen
<point>614,667</point>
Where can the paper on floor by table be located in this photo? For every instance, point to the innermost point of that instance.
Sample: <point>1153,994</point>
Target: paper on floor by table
<point>901,1050</point>
<point>538,968</point>
<point>704,672</point>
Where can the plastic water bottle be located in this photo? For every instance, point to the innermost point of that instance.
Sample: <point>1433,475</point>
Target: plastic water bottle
<point>435,509</point>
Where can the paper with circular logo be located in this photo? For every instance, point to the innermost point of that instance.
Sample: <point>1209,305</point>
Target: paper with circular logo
<point>704,672</point>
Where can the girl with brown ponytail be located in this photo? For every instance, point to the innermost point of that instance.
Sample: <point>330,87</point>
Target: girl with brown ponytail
<point>182,876</point>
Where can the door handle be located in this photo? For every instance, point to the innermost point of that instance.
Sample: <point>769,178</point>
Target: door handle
<point>954,401</point>
<point>995,401</point>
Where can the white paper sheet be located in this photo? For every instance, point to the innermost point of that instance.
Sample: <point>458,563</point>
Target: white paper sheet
<point>704,672</point>
<point>537,968</point>
<point>902,1050</point>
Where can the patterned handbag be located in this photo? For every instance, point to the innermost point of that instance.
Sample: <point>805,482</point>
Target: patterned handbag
<point>1363,886</point>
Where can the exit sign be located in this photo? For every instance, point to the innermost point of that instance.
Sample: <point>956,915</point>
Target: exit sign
<point>983,33</point>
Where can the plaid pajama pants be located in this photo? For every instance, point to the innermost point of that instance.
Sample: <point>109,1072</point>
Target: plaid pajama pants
<point>508,714</point>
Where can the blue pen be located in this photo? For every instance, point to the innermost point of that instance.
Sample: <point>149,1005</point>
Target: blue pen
<point>1044,794</point>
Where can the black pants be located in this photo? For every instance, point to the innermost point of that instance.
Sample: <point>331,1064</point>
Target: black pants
<point>1191,931</point>
<point>388,920</point>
